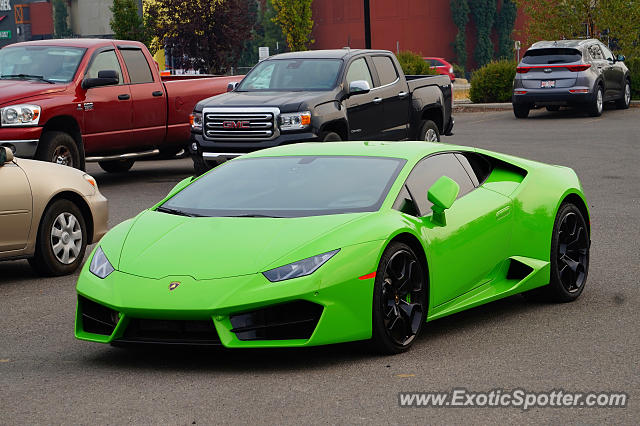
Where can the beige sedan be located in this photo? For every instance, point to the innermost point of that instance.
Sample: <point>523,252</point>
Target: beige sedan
<point>48,214</point>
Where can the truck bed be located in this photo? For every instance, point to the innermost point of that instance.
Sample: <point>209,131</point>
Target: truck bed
<point>418,81</point>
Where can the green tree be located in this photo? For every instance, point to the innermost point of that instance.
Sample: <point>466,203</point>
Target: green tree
<point>60,15</point>
<point>126,22</point>
<point>567,19</point>
<point>294,17</point>
<point>484,13</point>
<point>504,27</point>
<point>460,13</point>
<point>265,32</point>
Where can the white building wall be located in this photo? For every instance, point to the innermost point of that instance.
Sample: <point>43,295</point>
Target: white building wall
<point>91,18</point>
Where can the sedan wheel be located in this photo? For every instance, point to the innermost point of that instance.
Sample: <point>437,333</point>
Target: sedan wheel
<point>66,238</point>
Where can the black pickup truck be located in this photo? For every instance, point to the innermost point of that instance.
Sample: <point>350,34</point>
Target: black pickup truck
<point>324,95</point>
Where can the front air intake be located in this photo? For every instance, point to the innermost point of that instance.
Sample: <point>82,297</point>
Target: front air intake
<point>186,332</point>
<point>97,318</point>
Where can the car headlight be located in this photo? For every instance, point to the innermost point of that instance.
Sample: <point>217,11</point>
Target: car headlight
<point>300,268</point>
<point>100,265</point>
<point>20,115</point>
<point>196,121</point>
<point>295,120</point>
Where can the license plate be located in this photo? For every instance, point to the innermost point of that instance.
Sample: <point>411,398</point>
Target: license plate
<point>548,83</point>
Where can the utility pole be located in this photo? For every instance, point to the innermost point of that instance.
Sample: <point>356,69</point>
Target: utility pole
<point>367,25</point>
<point>140,8</point>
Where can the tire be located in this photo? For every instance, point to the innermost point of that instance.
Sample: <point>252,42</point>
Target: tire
<point>597,105</point>
<point>61,148</point>
<point>116,166</point>
<point>60,252</point>
<point>429,132</point>
<point>396,303</point>
<point>329,137</point>
<point>625,101</point>
<point>553,108</point>
<point>569,249</point>
<point>521,111</point>
<point>201,166</point>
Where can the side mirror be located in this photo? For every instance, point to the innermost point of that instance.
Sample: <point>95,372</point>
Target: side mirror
<point>180,185</point>
<point>359,87</point>
<point>442,194</point>
<point>232,86</point>
<point>621,58</point>
<point>6,155</point>
<point>105,78</point>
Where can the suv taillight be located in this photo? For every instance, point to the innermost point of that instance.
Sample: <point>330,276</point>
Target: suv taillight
<point>522,70</point>
<point>578,68</point>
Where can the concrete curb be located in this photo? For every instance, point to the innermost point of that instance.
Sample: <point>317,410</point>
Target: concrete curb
<point>468,106</point>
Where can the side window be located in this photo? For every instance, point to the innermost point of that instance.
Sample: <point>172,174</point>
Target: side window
<point>105,61</point>
<point>595,52</point>
<point>386,70</point>
<point>359,70</point>
<point>607,53</point>
<point>429,170</point>
<point>477,166</point>
<point>405,203</point>
<point>137,65</point>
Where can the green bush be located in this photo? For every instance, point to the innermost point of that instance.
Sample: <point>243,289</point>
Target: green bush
<point>493,82</point>
<point>634,69</point>
<point>413,64</point>
<point>458,71</point>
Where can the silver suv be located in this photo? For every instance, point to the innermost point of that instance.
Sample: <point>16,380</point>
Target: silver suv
<point>570,73</point>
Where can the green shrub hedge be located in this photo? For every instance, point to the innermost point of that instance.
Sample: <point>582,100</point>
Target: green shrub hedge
<point>413,64</point>
<point>493,82</point>
<point>634,69</point>
<point>458,71</point>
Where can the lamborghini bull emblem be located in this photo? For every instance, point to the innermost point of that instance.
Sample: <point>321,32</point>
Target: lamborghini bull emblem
<point>173,285</point>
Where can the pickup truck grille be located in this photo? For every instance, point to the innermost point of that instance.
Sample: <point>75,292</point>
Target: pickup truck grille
<point>239,125</point>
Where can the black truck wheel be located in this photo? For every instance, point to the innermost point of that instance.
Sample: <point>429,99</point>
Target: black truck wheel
<point>61,148</point>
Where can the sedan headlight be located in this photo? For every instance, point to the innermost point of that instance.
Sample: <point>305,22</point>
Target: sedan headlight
<point>20,115</point>
<point>100,265</point>
<point>196,121</point>
<point>300,268</point>
<point>295,120</point>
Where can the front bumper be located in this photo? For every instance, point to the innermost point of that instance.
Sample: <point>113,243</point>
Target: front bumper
<point>100,214</point>
<point>225,148</point>
<point>547,97</point>
<point>344,300</point>
<point>23,141</point>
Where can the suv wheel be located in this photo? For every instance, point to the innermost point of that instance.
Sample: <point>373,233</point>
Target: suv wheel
<point>625,100</point>
<point>596,106</point>
<point>521,111</point>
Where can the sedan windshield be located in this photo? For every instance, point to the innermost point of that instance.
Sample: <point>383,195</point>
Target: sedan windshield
<point>51,64</point>
<point>288,187</point>
<point>292,75</point>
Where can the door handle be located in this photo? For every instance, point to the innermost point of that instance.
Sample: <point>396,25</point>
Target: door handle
<point>157,93</point>
<point>377,100</point>
<point>402,95</point>
<point>124,97</point>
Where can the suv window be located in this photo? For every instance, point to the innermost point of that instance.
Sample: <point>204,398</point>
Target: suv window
<point>137,65</point>
<point>551,56</point>
<point>105,61</point>
<point>386,70</point>
<point>359,70</point>
<point>428,171</point>
<point>607,53</point>
<point>595,52</point>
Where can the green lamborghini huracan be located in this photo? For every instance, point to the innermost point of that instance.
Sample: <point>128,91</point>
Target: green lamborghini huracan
<point>319,243</point>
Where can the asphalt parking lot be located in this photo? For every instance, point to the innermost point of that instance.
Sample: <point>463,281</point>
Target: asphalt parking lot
<point>593,344</point>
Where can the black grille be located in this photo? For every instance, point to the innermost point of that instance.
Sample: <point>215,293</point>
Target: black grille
<point>293,320</point>
<point>96,318</point>
<point>238,125</point>
<point>196,332</point>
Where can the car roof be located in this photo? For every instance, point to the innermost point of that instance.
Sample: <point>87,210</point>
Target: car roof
<point>545,44</point>
<point>326,54</point>
<point>77,42</point>
<point>409,150</point>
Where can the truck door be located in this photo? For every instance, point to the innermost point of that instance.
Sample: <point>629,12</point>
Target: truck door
<point>107,109</point>
<point>365,111</point>
<point>395,99</point>
<point>148,99</point>
<point>15,208</point>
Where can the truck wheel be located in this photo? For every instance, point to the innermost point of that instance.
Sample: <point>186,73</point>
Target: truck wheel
<point>59,147</point>
<point>116,166</point>
<point>329,137</point>
<point>429,132</point>
<point>521,111</point>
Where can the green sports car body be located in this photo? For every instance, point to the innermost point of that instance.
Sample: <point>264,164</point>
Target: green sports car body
<point>312,244</point>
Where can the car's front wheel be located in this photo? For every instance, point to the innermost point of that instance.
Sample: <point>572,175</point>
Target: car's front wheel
<point>399,299</point>
<point>625,100</point>
<point>597,105</point>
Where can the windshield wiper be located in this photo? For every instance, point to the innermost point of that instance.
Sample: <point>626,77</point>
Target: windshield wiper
<point>254,215</point>
<point>28,76</point>
<point>176,212</point>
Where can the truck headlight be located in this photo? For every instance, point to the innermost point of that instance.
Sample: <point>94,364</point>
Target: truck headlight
<point>20,115</point>
<point>196,121</point>
<point>300,268</point>
<point>100,265</point>
<point>295,120</point>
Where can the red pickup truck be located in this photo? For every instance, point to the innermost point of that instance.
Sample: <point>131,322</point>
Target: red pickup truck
<point>75,100</point>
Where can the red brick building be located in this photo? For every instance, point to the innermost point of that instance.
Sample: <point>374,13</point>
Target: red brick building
<point>421,26</point>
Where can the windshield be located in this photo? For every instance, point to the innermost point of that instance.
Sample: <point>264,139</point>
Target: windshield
<point>551,56</point>
<point>52,64</point>
<point>292,75</point>
<point>288,187</point>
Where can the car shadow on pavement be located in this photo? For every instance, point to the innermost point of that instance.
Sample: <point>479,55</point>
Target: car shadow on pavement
<point>156,175</point>
<point>16,271</point>
<point>566,113</point>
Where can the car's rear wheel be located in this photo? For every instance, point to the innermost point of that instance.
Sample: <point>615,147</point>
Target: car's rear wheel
<point>569,257</point>
<point>61,240</point>
<point>116,166</point>
<point>521,111</point>
<point>597,105</point>
<point>429,132</point>
<point>399,299</point>
<point>625,100</point>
